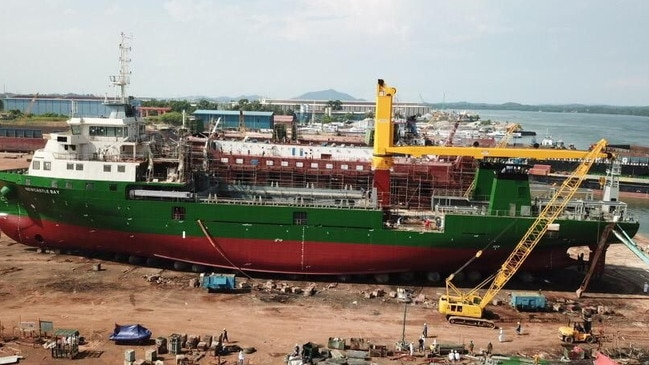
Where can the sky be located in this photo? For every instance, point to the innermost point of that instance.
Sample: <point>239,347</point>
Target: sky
<point>530,52</point>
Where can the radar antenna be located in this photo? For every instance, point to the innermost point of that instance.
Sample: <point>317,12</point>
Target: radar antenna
<point>124,77</point>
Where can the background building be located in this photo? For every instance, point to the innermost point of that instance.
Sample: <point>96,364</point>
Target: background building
<point>235,119</point>
<point>359,109</point>
<point>39,105</point>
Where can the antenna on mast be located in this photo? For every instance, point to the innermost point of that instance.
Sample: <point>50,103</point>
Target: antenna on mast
<point>124,77</point>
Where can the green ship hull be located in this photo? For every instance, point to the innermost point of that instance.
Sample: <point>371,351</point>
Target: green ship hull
<point>173,223</point>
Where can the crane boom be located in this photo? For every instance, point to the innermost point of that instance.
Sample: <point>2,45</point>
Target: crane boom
<point>30,106</point>
<point>509,133</point>
<point>478,152</point>
<point>548,215</point>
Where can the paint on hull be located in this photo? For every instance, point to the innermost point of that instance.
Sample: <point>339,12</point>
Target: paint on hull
<point>265,255</point>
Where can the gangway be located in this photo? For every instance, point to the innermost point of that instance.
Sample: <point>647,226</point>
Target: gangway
<point>631,245</point>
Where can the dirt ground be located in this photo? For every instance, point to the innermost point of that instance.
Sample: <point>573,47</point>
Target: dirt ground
<point>67,290</point>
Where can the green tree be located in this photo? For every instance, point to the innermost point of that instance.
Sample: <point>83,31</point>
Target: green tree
<point>242,104</point>
<point>180,105</point>
<point>206,105</point>
<point>327,119</point>
<point>174,118</point>
<point>335,104</point>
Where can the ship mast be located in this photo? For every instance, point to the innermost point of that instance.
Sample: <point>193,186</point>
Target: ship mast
<point>124,77</point>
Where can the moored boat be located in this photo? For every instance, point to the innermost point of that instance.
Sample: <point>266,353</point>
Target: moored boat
<point>108,185</point>
<point>15,139</point>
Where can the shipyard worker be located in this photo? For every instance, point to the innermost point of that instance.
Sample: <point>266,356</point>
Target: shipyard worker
<point>225,336</point>
<point>490,348</point>
<point>518,328</point>
<point>501,335</point>
<point>645,288</point>
<point>421,343</point>
<point>241,357</point>
<point>217,351</point>
<point>425,331</point>
<point>451,356</point>
<point>411,347</point>
<point>456,355</point>
<point>471,347</point>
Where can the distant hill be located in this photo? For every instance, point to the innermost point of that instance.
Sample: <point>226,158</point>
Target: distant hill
<point>313,95</point>
<point>330,94</point>
<point>563,108</point>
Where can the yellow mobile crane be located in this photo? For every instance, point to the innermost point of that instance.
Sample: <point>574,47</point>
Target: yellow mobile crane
<point>468,307</point>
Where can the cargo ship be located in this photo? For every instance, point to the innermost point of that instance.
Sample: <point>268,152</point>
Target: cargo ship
<point>107,185</point>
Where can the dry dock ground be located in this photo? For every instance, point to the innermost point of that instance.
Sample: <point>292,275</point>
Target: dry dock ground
<point>67,290</point>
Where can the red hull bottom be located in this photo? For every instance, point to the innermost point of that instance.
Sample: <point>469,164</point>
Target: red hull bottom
<point>313,258</point>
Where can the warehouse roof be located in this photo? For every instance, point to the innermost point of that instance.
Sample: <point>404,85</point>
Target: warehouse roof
<point>233,112</point>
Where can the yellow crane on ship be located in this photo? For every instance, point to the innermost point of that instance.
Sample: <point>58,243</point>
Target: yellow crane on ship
<point>467,307</point>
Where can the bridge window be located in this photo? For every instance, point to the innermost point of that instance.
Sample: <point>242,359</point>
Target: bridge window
<point>107,168</point>
<point>69,166</point>
<point>178,213</point>
<point>299,218</point>
<point>121,168</point>
<point>97,131</point>
<point>79,167</point>
<point>36,165</point>
<point>47,165</point>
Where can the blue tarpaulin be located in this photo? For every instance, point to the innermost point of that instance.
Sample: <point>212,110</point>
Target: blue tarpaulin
<point>218,281</point>
<point>130,333</point>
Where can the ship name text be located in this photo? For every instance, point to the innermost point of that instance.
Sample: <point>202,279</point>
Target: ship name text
<point>43,190</point>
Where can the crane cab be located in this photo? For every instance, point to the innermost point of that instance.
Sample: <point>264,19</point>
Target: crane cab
<point>458,311</point>
<point>454,306</point>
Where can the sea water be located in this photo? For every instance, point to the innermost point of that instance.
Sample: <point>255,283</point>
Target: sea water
<point>582,130</point>
<point>579,129</point>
